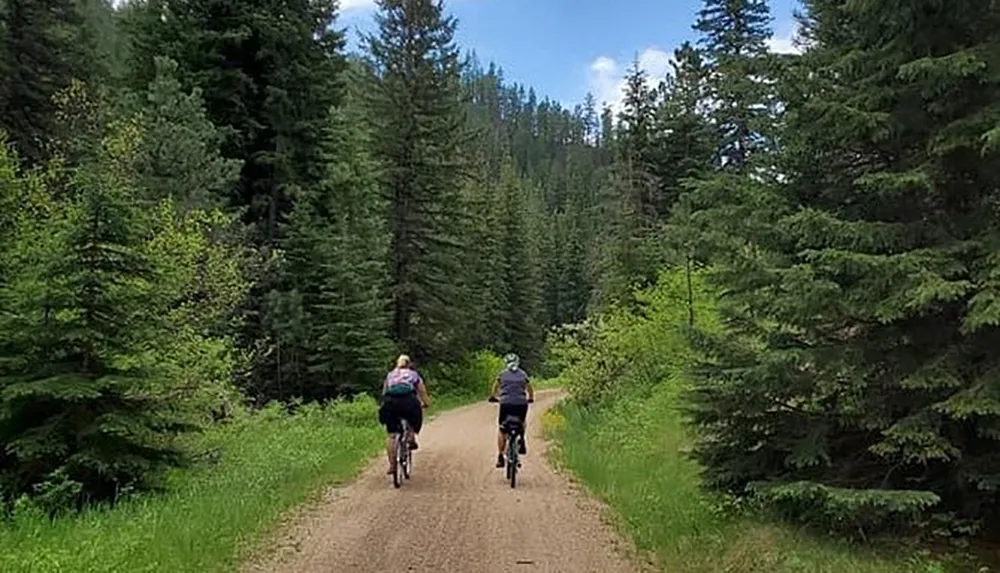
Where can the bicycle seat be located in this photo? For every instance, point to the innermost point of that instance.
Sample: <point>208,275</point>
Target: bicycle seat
<point>512,423</point>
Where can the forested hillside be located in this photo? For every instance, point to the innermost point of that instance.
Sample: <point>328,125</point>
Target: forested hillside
<point>206,204</point>
<point>209,202</point>
<point>840,205</point>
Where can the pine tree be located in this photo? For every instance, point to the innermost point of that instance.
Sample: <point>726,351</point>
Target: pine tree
<point>180,152</point>
<point>518,268</point>
<point>630,196</point>
<point>78,366</point>
<point>337,250</point>
<point>859,386</point>
<point>268,73</point>
<point>483,262</point>
<point>416,107</point>
<point>43,47</point>
<point>684,138</point>
<point>734,45</point>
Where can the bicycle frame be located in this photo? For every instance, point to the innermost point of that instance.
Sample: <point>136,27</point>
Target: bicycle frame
<point>512,462</point>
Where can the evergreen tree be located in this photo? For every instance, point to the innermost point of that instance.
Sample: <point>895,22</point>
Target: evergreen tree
<point>734,45</point>
<point>518,269</point>
<point>416,107</point>
<point>337,249</point>
<point>179,156</point>
<point>78,370</point>
<point>269,75</point>
<point>43,46</point>
<point>684,139</point>
<point>859,386</point>
<point>630,198</point>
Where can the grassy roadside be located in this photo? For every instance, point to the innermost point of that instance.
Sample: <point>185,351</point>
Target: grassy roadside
<point>268,462</point>
<point>631,455</point>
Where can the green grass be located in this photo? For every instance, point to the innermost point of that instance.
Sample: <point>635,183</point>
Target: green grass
<point>211,515</point>
<point>631,455</point>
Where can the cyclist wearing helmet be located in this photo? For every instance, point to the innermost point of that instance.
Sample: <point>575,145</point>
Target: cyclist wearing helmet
<point>515,393</point>
<point>403,395</point>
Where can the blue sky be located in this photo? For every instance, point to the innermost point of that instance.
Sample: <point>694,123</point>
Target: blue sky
<point>565,48</point>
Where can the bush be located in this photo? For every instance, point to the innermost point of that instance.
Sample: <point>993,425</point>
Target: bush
<point>256,466</point>
<point>471,376</point>
<point>631,349</point>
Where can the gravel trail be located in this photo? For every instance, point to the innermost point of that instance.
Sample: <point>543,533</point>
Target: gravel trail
<point>456,514</point>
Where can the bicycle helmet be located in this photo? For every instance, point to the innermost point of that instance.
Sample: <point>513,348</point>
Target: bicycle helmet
<point>511,361</point>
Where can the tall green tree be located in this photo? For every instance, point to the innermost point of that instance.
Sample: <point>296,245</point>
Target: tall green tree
<point>733,41</point>
<point>77,370</point>
<point>518,267</point>
<point>43,47</point>
<point>860,386</point>
<point>337,250</point>
<point>269,73</point>
<point>684,137</point>
<point>180,156</point>
<point>630,196</point>
<point>420,133</point>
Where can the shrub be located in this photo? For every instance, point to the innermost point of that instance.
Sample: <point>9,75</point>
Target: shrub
<point>471,376</point>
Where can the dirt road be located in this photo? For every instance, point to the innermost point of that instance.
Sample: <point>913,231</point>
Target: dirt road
<point>456,514</point>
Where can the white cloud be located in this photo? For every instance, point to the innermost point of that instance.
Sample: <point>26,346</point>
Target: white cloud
<point>786,42</point>
<point>356,4</point>
<point>607,76</point>
<point>783,45</point>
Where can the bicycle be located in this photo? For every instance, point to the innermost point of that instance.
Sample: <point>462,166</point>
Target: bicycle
<point>404,457</point>
<point>513,426</point>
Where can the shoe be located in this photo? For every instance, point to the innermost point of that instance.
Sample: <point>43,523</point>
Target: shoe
<point>500,461</point>
<point>391,471</point>
<point>522,449</point>
<point>414,446</point>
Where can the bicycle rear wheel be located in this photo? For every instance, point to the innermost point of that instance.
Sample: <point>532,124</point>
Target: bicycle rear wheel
<point>512,462</point>
<point>407,457</point>
<point>397,476</point>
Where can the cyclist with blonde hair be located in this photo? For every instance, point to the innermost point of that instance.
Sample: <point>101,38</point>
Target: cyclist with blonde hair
<point>404,394</point>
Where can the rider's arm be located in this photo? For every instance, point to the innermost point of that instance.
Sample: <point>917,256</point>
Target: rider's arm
<point>496,388</point>
<point>530,389</point>
<point>422,393</point>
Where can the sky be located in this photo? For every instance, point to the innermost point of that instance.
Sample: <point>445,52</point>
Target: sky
<point>566,48</point>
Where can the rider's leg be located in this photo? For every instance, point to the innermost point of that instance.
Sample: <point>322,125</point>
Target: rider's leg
<point>523,414</point>
<point>501,447</point>
<point>392,425</point>
<point>416,420</point>
<point>390,450</point>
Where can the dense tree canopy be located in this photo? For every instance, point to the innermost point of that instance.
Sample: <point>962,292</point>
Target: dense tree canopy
<point>205,202</point>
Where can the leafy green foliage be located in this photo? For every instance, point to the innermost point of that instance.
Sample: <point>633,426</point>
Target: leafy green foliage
<point>623,351</point>
<point>470,377</point>
<point>250,471</point>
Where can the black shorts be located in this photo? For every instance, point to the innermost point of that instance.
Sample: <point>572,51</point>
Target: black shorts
<point>519,410</point>
<point>397,408</point>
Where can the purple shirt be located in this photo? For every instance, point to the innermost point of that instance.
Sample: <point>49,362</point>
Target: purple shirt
<point>402,381</point>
